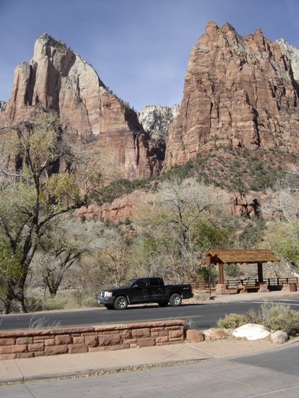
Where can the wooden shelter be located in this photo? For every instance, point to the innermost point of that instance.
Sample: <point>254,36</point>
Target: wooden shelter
<point>239,256</point>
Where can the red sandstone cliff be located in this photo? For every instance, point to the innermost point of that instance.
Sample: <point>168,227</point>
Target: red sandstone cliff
<point>56,78</point>
<point>238,91</point>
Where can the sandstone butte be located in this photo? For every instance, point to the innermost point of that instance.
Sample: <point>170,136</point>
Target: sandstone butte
<point>92,117</point>
<point>239,91</point>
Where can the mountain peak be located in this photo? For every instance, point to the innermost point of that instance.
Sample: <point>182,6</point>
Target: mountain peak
<point>47,40</point>
<point>239,92</point>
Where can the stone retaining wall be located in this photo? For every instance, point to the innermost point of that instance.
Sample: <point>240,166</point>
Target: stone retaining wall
<point>41,342</point>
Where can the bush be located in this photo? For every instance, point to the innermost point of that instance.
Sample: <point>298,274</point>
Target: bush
<point>272,316</point>
<point>34,304</point>
<point>232,321</point>
<point>58,302</point>
<point>69,300</point>
<point>279,317</point>
<point>89,301</point>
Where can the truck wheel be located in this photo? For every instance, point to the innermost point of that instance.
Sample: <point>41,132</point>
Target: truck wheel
<point>175,300</point>
<point>120,303</point>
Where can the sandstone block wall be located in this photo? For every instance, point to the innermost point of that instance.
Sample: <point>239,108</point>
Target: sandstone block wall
<point>41,342</point>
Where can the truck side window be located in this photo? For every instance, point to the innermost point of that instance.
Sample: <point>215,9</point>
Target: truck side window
<point>154,282</point>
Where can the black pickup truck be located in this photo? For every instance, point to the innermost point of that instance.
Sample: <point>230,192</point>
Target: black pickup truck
<point>144,290</point>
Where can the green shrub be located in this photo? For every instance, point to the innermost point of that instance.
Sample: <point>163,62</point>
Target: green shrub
<point>232,321</point>
<point>89,301</point>
<point>34,304</point>
<point>55,303</point>
<point>62,301</point>
<point>279,317</point>
<point>272,316</point>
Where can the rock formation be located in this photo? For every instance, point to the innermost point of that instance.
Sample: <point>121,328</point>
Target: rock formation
<point>58,79</point>
<point>155,120</point>
<point>292,54</point>
<point>246,206</point>
<point>239,91</point>
<point>120,209</point>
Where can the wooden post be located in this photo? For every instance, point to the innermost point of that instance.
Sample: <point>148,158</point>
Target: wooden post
<point>260,272</point>
<point>221,273</point>
<point>221,287</point>
<point>208,263</point>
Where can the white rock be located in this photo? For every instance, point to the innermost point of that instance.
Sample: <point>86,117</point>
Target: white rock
<point>251,332</point>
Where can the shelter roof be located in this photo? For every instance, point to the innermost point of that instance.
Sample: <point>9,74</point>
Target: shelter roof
<point>241,256</point>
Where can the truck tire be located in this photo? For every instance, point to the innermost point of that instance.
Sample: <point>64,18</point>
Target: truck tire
<point>175,300</point>
<point>120,303</point>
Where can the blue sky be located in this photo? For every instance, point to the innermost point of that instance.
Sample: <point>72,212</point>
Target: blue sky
<point>139,48</point>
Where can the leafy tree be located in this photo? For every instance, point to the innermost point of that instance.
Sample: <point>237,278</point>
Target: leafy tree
<point>283,239</point>
<point>33,193</point>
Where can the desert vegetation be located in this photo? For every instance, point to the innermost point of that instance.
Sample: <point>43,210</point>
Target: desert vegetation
<point>272,316</point>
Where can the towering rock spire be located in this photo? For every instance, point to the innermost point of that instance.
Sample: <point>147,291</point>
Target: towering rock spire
<point>239,91</point>
<point>58,79</point>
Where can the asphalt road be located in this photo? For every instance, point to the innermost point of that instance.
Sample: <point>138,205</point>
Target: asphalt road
<point>197,316</point>
<point>271,374</point>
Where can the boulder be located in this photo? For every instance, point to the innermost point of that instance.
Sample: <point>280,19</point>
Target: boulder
<point>194,336</point>
<point>216,334</point>
<point>279,337</point>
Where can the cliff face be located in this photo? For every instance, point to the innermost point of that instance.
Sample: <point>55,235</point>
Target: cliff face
<point>56,78</point>
<point>239,91</point>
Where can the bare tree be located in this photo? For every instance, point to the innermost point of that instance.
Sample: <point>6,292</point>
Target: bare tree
<point>178,225</point>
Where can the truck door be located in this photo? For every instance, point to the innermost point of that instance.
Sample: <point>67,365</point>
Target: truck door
<point>139,291</point>
<point>156,290</point>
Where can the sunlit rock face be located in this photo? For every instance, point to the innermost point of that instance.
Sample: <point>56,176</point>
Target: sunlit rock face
<point>292,53</point>
<point>93,117</point>
<point>155,119</point>
<point>238,92</point>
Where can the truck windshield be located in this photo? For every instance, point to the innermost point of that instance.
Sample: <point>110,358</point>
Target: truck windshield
<point>130,283</point>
